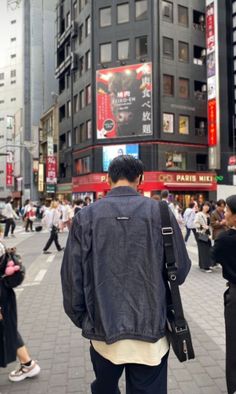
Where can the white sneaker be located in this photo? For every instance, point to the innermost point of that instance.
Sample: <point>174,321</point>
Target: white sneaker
<point>24,372</point>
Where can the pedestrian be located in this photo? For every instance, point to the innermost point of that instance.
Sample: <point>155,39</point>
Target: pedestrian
<point>218,222</point>
<point>156,197</point>
<point>78,205</point>
<point>202,224</point>
<point>15,347</point>
<point>87,201</point>
<point>65,220</point>
<point>189,217</point>
<point>51,221</point>
<point>113,286</point>
<point>165,196</point>
<point>224,252</point>
<point>9,214</point>
<point>30,216</point>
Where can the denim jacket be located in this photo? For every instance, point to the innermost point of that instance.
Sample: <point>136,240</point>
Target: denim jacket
<point>112,269</point>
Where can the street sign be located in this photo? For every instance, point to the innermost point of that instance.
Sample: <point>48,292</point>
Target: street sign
<point>50,188</point>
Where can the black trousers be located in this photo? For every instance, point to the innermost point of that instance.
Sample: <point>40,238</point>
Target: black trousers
<point>29,224</point>
<point>230,336</point>
<point>53,238</point>
<point>140,379</point>
<point>188,232</point>
<point>9,223</point>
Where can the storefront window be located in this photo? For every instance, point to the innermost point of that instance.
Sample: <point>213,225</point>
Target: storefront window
<point>175,161</point>
<point>168,123</point>
<point>183,124</point>
<point>83,166</point>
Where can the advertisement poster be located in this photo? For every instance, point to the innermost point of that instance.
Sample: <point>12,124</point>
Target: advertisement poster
<point>41,178</point>
<point>211,64</point>
<point>110,152</point>
<point>210,27</point>
<point>211,85</point>
<point>184,124</point>
<point>9,170</point>
<point>124,101</point>
<point>168,123</point>
<point>212,134</point>
<point>51,170</point>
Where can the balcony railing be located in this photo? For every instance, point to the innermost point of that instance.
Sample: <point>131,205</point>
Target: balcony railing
<point>200,132</point>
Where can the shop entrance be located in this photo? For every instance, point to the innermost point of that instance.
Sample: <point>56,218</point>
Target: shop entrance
<point>185,198</point>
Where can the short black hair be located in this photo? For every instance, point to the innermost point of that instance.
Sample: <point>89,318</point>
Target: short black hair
<point>220,202</point>
<point>231,202</point>
<point>78,202</point>
<point>164,193</point>
<point>125,167</point>
<point>191,205</point>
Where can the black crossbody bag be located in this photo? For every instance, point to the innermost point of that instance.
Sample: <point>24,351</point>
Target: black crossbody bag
<point>177,327</point>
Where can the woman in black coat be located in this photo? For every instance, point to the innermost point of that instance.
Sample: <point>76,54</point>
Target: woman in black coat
<point>11,343</point>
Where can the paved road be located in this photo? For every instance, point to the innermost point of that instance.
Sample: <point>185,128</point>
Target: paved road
<point>62,352</point>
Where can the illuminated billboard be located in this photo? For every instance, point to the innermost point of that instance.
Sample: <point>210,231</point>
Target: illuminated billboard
<point>110,152</point>
<point>124,101</point>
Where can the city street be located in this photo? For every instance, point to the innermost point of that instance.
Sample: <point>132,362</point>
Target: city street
<point>64,355</point>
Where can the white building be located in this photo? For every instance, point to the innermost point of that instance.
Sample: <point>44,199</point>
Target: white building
<point>27,37</point>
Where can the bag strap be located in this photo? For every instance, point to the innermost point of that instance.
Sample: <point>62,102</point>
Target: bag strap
<point>170,267</point>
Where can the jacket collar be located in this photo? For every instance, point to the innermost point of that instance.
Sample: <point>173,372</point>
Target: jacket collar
<point>122,191</point>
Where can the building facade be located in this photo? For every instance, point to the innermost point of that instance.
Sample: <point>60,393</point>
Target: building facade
<point>133,79</point>
<point>27,80</point>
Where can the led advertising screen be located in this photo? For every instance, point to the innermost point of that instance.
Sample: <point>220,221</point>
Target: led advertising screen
<point>110,152</point>
<point>124,101</point>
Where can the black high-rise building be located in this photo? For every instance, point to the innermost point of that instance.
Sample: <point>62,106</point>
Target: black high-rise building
<point>133,79</point>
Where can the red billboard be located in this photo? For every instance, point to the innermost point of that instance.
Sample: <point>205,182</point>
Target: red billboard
<point>9,174</point>
<point>124,101</point>
<point>51,170</point>
<point>212,123</point>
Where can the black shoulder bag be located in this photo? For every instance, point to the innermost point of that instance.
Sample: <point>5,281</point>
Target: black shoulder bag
<point>177,326</point>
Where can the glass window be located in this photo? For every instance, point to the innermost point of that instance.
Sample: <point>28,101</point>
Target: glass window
<point>123,49</point>
<point>183,124</point>
<point>81,99</point>
<point>68,109</point>
<point>82,130</point>
<point>168,85</point>
<point>183,88</point>
<point>167,11</point>
<point>83,166</point>
<point>234,7</point>
<point>105,53</point>
<point>68,19</point>
<point>88,60</point>
<point>76,135</point>
<point>168,123</point>
<point>13,74</point>
<point>76,103</point>
<point>88,26</point>
<point>105,16</point>
<point>89,129</point>
<point>183,52</point>
<point>141,47</point>
<point>183,15</point>
<point>13,39</point>
<point>81,65</point>
<point>13,22</point>
<point>88,95</point>
<point>123,13</point>
<point>234,65</point>
<point>69,143</point>
<point>234,21</point>
<point>175,161</point>
<point>81,28</point>
<point>1,76</point>
<point>168,48</point>
<point>234,35</point>
<point>13,55</point>
<point>234,50</point>
<point>75,8</point>
<point>141,7</point>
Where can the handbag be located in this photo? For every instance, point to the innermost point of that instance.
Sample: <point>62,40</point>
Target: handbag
<point>12,269</point>
<point>203,237</point>
<point>178,331</point>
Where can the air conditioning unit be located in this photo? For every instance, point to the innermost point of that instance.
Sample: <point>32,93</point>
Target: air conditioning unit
<point>203,53</point>
<point>204,88</point>
<point>201,19</point>
<point>202,125</point>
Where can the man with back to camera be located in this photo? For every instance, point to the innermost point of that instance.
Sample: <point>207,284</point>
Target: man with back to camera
<point>113,287</point>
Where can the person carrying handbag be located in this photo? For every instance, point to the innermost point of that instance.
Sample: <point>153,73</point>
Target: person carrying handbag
<point>202,224</point>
